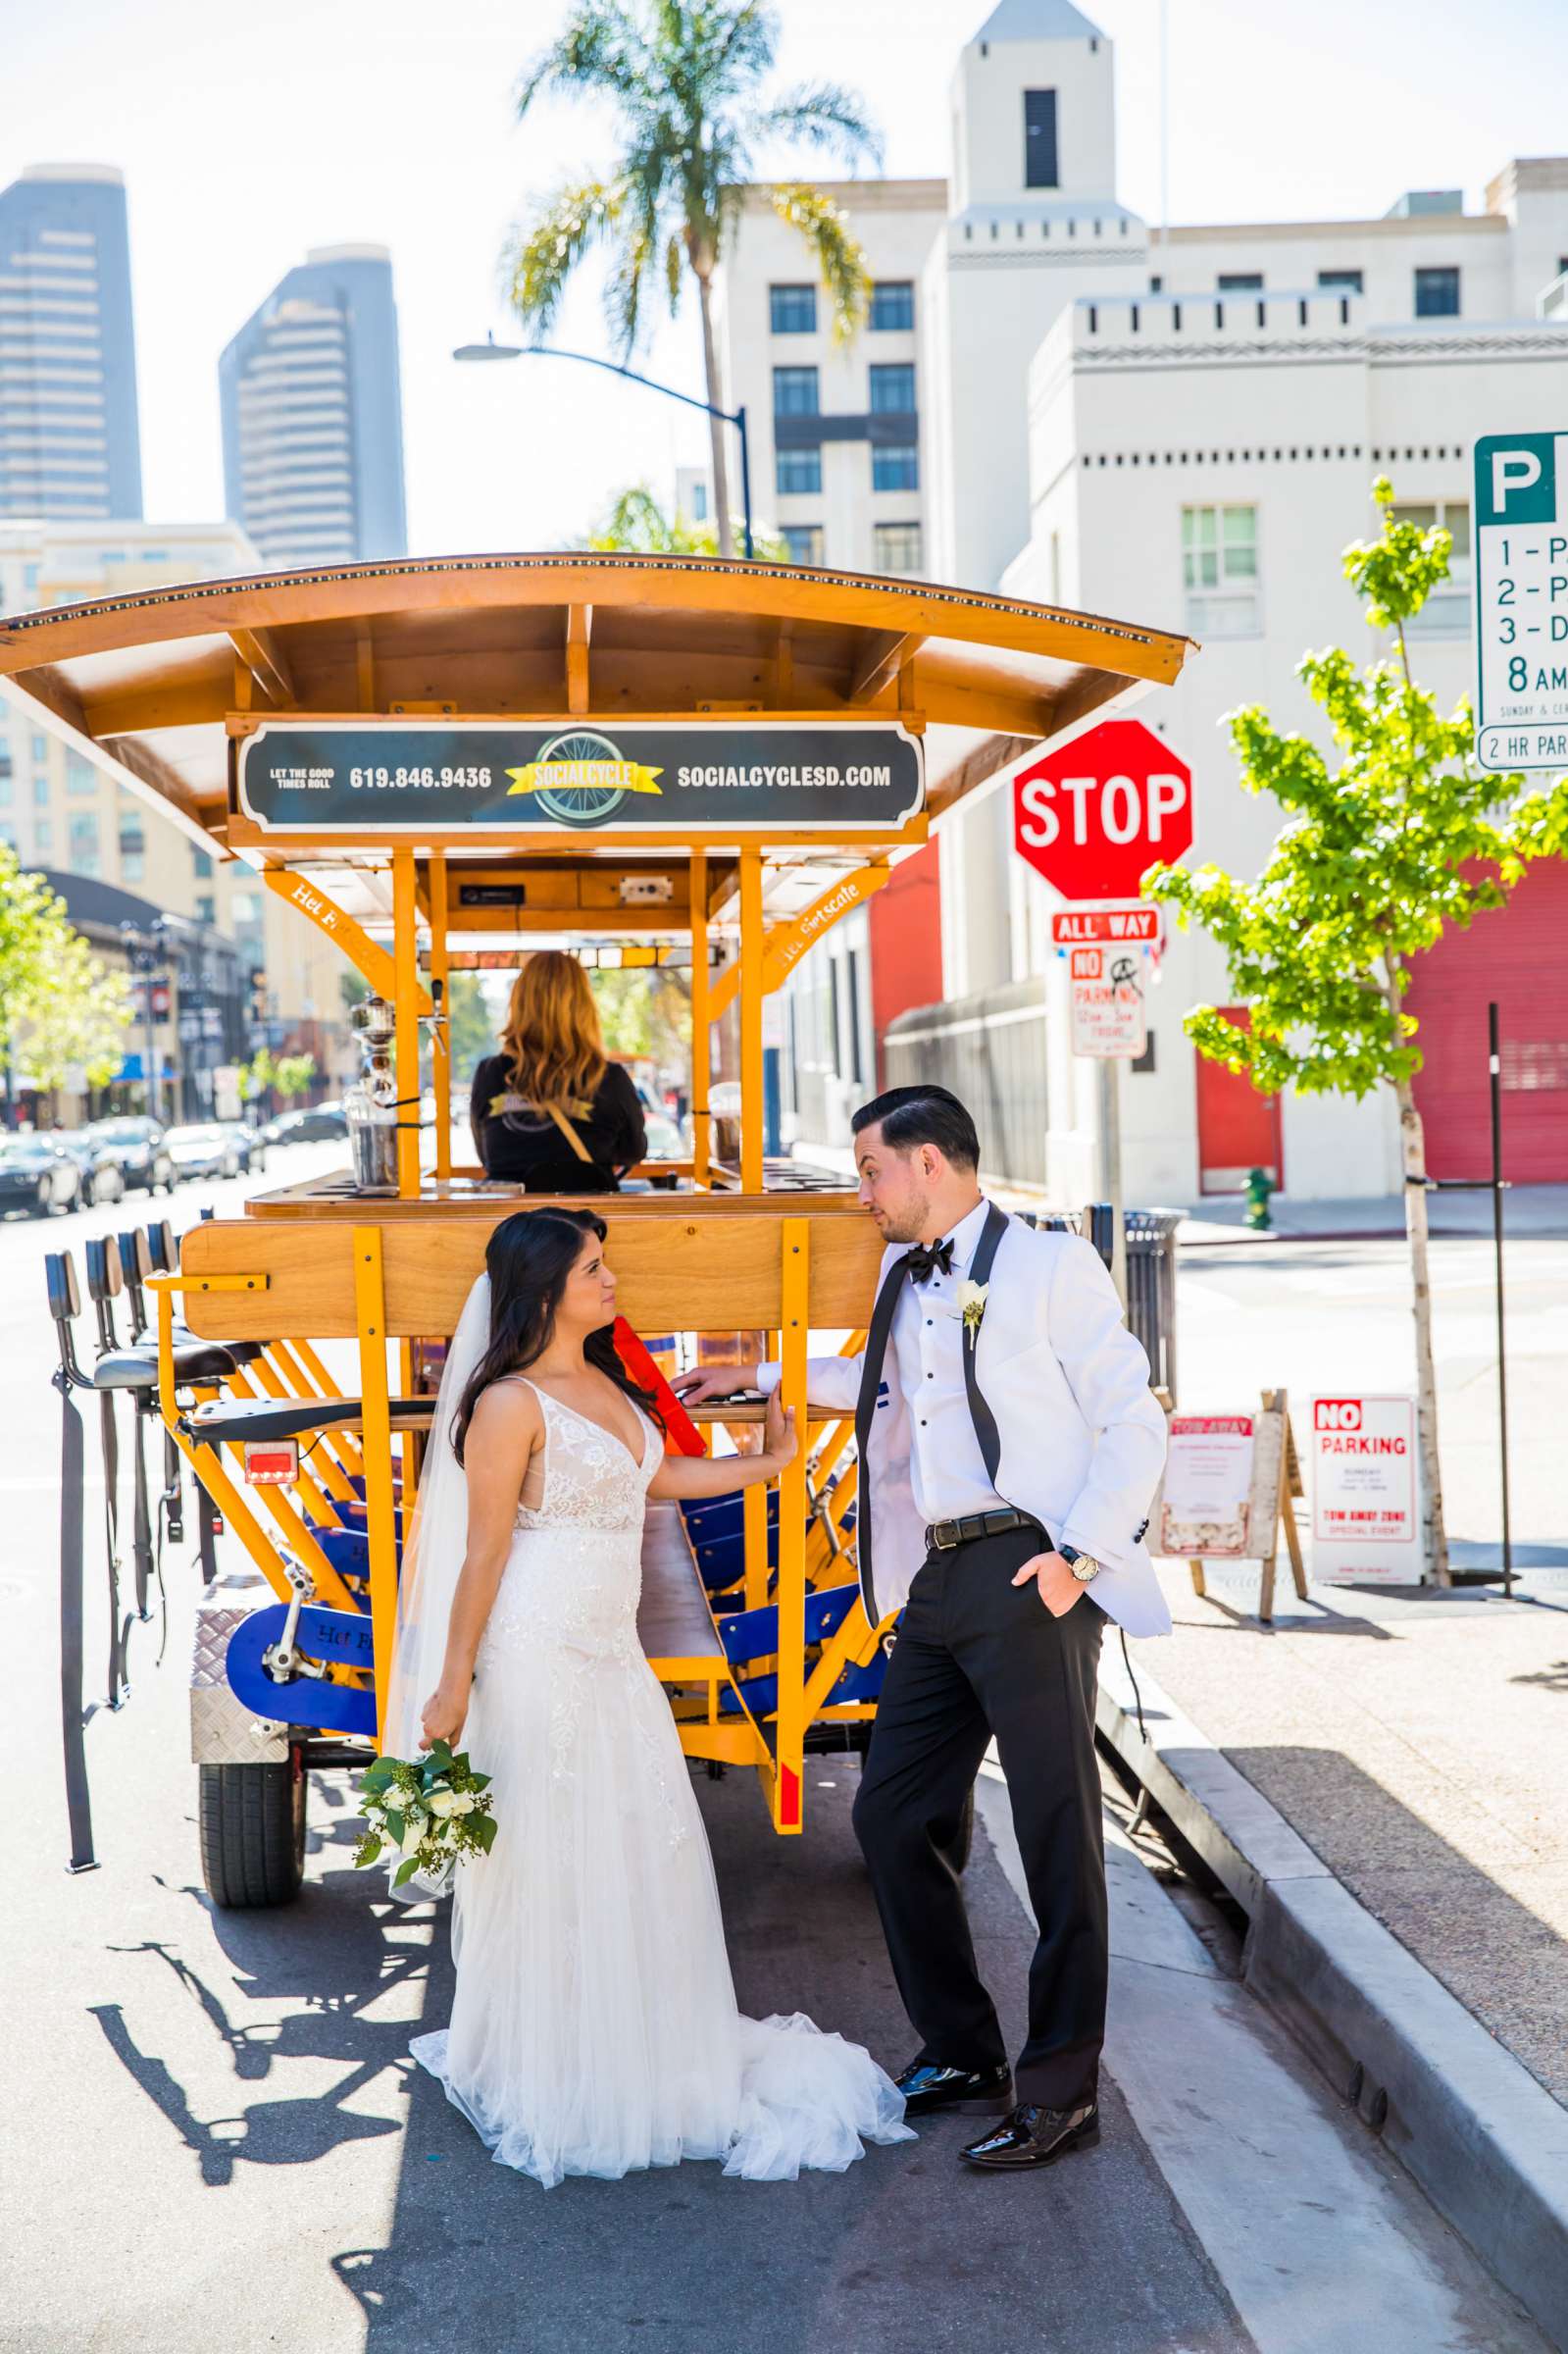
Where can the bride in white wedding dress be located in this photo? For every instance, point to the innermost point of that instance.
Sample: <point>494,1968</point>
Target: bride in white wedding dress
<point>595,2029</point>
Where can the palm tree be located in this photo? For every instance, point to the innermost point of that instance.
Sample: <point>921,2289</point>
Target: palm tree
<point>685,75</point>
<point>637,522</point>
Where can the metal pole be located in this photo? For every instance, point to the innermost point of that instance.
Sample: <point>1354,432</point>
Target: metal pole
<point>745,481</point>
<point>1496,1068</point>
<point>146,960</point>
<point>1108,1078</point>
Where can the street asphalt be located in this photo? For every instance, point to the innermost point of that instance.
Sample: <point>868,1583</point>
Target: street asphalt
<point>212,2140</point>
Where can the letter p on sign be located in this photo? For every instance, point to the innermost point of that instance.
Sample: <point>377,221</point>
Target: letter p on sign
<point>1513,470</point>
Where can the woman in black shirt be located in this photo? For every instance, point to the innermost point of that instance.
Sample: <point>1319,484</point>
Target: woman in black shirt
<point>551,1111</point>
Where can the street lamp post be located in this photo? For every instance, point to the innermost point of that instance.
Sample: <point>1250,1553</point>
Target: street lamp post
<point>142,956</point>
<point>491,350</point>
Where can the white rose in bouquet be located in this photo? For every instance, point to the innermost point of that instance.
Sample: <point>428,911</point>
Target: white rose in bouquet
<point>442,1801</point>
<point>415,1828</point>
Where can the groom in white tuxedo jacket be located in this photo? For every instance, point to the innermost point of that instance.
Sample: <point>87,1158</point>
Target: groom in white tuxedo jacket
<point>1010,1450</point>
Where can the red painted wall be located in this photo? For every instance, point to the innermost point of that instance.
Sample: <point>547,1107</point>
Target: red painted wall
<point>905,924</point>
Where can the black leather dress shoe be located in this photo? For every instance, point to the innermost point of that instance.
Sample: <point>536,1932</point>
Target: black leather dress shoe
<point>973,2091</point>
<point>1033,2136</point>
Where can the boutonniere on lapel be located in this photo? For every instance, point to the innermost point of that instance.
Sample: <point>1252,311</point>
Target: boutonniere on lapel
<point>972,1306</point>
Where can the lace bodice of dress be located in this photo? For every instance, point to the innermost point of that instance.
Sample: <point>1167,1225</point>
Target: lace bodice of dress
<point>591,1478</point>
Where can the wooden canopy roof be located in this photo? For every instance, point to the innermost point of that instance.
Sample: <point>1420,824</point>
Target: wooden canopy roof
<point>152,684</point>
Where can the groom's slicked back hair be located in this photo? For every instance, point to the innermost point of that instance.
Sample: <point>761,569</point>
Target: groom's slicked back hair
<point>923,1115</point>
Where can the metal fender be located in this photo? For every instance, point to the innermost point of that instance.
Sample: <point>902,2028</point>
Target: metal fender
<point>339,1637</point>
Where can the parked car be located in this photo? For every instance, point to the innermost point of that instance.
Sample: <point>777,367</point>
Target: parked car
<point>138,1145</point>
<point>310,1127</point>
<point>102,1177</point>
<point>36,1176</point>
<point>204,1150</point>
<point>249,1143</point>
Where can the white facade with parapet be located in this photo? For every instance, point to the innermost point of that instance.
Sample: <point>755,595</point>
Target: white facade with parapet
<point>1178,425</point>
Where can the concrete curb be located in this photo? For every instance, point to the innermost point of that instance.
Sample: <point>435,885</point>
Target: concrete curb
<point>1487,2143</point>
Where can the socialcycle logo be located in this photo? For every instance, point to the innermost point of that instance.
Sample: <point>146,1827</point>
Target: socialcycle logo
<point>582,780</point>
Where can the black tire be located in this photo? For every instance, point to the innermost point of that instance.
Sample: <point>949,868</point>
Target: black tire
<point>252,1821</point>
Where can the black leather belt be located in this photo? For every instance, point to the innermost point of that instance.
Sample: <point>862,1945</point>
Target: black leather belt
<point>942,1535</point>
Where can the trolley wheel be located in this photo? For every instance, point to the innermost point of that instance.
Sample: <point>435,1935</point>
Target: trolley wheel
<point>253,1832</point>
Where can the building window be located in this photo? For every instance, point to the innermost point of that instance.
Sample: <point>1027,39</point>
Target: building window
<point>83,854</point>
<point>1040,139</point>
<point>80,774</point>
<point>40,790</point>
<point>133,854</point>
<point>30,580</point>
<point>797,471</point>
<point>792,310</point>
<point>699,502</point>
<point>202,863</point>
<point>206,907</point>
<point>893,389</point>
<point>895,467</point>
<point>897,546</point>
<point>794,393</point>
<point>892,304</point>
<point>1220,571</point>
<point>1239,282</point>
<point>1437,293</point>
<point>43,841</point>
<point>1446,611</point>
<point>40,751</point>
<point>804,542</point>
<point>1348,282</point>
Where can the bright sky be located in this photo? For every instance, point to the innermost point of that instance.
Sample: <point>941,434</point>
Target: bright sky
<point>248,134</point>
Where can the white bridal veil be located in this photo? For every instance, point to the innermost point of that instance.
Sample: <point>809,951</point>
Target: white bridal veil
<point>434,1546</point>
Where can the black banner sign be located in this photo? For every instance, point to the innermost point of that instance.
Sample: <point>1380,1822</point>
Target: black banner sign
<point>423,777</point>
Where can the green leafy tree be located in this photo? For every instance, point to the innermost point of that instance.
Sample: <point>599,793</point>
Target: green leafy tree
<point>59,1007</point>
<point>685,79</point>
<point>645,1010</point>
<point>78,1014</point>
<point>294,1073</point>
<point>472,1035</point>
<point>1378,857</point>
<point>637,522</point>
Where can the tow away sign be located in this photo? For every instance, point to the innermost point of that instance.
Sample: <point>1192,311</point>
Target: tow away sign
<point>1365,1494</point>
<point>1106,986</point>
<point>1521,508</point>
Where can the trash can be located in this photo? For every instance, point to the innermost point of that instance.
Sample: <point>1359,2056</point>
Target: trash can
<point>1152,1288</point>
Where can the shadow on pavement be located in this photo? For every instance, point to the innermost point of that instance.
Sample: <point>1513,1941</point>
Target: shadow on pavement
<point>905,2251</point>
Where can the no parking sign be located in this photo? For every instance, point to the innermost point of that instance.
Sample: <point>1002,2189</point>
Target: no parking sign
<point>1366,1519</point>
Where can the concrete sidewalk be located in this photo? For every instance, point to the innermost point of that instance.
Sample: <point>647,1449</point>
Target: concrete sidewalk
<point>1529,1210</point>
<point>1375,1781</point>
<point>1418,1742</point>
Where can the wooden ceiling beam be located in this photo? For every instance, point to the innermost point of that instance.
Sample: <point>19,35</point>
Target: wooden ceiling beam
<point>578,630</point>
<point>884,656</point>
<point>268,665</point>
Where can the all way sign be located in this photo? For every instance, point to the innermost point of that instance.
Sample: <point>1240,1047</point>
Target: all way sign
<point>1133,920</point>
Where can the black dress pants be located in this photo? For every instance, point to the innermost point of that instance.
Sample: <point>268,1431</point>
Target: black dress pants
<point>977,1656</point>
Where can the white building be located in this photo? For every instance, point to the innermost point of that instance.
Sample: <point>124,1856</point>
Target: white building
<point>1181,428</point>
<point>58,812</point>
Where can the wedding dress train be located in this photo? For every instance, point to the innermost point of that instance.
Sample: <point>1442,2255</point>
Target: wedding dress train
<point>595,2029</point>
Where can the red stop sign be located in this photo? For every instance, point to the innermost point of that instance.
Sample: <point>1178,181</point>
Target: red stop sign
<point>1093,817</point>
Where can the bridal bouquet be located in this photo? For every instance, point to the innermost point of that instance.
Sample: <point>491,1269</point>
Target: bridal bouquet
<point>428,1811</point>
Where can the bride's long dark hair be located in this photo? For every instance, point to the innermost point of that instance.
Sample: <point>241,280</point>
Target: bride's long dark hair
<point>529,1259</point>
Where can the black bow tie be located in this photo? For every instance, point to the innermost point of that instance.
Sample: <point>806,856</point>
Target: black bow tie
<point>921,1260</point>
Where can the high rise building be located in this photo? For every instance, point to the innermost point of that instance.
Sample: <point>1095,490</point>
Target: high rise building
<point>70,445</point>
<point>312,412</point>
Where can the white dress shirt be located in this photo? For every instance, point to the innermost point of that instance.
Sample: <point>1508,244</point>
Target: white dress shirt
<point>926,1358</point>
